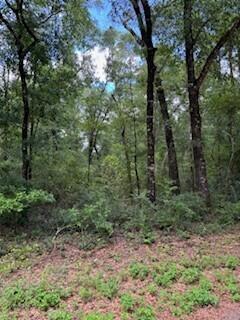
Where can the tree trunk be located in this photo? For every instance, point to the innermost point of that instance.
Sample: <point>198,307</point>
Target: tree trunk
<point>172,155</point>
<point>128,162</point>
<point>200,171</point>
<point>151,68</point>
<point>25,121</point>
<point>136,157</point>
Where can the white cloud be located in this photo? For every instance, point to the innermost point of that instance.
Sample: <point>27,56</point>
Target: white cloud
<point>99,59</point>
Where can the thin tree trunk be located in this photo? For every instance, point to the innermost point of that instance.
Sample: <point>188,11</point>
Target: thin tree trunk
<point>135,156</point>
<point>25,121</point>
<point>151,183</point>
<point>128,162</point>
<point>172,155</point>
<point>31,149</point>
<point>200,171</point>
<point>90,151</point>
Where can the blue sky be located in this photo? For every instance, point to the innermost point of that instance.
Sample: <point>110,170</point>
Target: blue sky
<point>101,15</point>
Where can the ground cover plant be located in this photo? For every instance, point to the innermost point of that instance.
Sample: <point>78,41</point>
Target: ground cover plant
<point>172,278</point>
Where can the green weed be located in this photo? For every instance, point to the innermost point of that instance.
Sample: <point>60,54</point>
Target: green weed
<point>59,315</point>
<point>138,270</point>
<point>127,302</point>
<point>190,275</point>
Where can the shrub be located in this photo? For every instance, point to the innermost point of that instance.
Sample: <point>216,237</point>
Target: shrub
<point>138,270</point>
<point>127,302</point>
<point>92,217</point>
<point>190,275</point>
<point>13,297</point>
<point>59,315</point>
<point>228,213</point>
<point>167,276</point>
<point>152,289</point>
<point>12,207</point>
<point>231,262</point>
<point>231,283</point>
<point>108,288</point>
<point>44,299</point>
<point>86,294</point>
<point>199,296</point>
<point>98,316</point>
<point>38,296</point>
<point>181,211</point>
<point>144,313</point>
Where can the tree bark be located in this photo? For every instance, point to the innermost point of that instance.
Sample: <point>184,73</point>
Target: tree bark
<point>144,21</point>
<point>136,156</point>
<point>151,183</point>
<point>172,155</point>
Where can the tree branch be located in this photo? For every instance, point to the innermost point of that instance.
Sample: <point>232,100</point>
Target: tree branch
<point>213,54</point>
<point>50,16</point>
<point>148,19</point>
<point>9,27</point>
<point>140,20</point>
<point>133,33</point>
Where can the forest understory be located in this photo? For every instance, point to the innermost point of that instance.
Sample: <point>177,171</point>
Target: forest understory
<point>173,278</point>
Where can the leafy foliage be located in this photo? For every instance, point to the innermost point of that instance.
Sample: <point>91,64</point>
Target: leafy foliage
<point>138,270</point>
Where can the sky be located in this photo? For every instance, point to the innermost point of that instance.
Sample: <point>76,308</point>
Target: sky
<point>101,16</point>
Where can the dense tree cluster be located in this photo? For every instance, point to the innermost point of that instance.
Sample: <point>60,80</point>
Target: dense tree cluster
<point>162,119</point>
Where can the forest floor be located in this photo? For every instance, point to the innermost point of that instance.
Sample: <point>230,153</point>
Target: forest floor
<point>196,278</point>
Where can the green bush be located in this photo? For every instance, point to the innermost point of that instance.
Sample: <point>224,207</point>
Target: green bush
<point>166,276</point>
<point>199,296</point>
<point>228,213</point>
<point>39,296</point>
<point>231,262</point>
<point>144,313</point>
<point>138,270</point>
<point>59,315</point>
<point>12,207</point>
<point>13,297</point>
<point>108,288</point>
<point>127,302</point>
<point>231,284</point>
<point>181,211</point>
<point>93,217</point>
<point>98,316</point>
<point>190,275</point>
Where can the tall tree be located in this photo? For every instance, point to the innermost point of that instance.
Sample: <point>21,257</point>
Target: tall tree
<point>143,18</point>
<point>194,85</point>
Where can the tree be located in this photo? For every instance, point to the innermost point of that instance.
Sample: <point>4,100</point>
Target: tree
<point>194,85</point>
<point>25,27</point>
<point>145,28</point>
